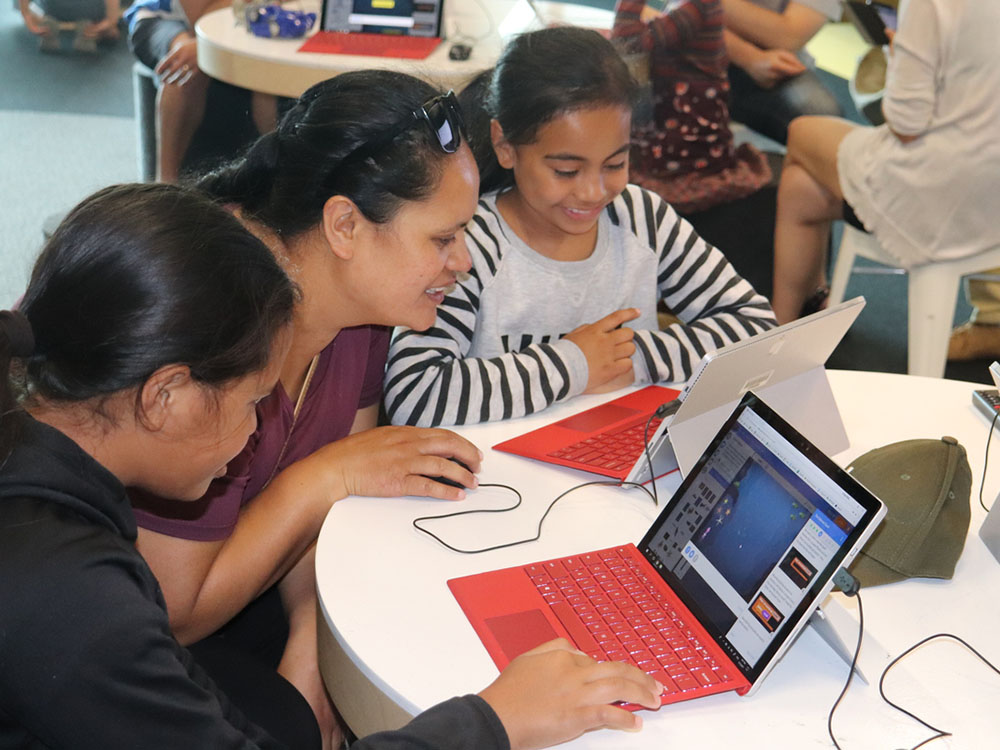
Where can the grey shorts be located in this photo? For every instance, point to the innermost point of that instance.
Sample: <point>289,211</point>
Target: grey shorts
<point>151,37</point>
<point>74,10</point>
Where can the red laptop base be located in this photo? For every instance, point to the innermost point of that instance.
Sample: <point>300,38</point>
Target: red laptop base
<point>371,45</point>
<point>607,439</point>
<point>612,605</point>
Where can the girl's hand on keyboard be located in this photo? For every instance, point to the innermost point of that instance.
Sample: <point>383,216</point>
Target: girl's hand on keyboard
<point>394,461</point>
<point>554,693</point>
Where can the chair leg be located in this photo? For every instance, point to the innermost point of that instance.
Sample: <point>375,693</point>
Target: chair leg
<point>933,292</point>
<point>842,269</point>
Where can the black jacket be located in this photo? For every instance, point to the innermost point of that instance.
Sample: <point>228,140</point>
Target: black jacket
<point>87,659</point>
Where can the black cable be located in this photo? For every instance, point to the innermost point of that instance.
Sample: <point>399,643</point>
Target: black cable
<point>663,411</point>
<point>851,589</point>
<point>649,457</point>
<point>538,533</point>
<point>986,459</point>
<point>911,649</point>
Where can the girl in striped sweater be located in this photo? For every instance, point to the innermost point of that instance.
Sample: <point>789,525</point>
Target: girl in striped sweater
<point>568,261</point>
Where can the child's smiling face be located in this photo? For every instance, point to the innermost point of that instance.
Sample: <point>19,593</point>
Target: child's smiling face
<point>577,165</point>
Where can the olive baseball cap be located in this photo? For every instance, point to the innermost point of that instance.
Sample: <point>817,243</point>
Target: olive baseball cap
<point>925,485</point>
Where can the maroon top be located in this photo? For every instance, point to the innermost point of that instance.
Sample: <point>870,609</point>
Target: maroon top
<point>348,377</point>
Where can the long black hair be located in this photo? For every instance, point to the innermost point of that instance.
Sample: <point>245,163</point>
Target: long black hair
<point>539,76</point>
<point>319,150</point>
<point>137,277</point>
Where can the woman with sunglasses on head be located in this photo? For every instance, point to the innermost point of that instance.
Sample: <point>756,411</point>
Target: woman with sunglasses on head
<point>362,193</point>
<point>151,328</point>
<point>568,260</point>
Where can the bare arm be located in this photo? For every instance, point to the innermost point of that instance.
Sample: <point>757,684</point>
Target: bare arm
<point>31,21</point>
<point>767,67</point>
<point>789,30</point>
<point>205,583</point>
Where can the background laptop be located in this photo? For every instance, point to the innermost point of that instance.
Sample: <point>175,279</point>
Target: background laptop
<point>722,581</point>
<point>409,17</point>
<point>382,28</point>
<point>785,365</point>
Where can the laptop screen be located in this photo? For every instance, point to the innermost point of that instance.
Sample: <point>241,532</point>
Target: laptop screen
<point>741,542</point>
<point>411,17</point>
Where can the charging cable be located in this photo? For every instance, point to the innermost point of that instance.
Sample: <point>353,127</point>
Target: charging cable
<point>986,461</point>
<point>849,585</point>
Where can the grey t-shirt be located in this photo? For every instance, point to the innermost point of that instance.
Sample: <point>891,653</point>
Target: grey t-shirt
<point>829,8</point>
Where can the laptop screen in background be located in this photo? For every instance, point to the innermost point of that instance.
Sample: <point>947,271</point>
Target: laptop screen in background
<point>746,534</point>
<point>411,17</point>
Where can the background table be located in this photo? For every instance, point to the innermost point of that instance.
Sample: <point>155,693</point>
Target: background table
<point>396,642</point>
<point>275,66</point>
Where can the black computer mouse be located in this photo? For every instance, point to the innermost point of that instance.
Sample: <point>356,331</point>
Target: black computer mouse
<point>460,51</point>
<point>451,482</point>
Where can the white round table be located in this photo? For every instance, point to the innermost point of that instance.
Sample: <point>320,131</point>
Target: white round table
<point>275,66</point>
<point>394,642</point>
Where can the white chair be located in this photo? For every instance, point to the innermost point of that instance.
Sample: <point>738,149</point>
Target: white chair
<point>932,289</point>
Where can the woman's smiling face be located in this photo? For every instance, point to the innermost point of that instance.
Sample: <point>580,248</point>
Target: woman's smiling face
<point>416,256</point>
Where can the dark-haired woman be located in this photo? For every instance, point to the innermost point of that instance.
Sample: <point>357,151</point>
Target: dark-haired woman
<point>152,326</point>
<point>569,261</point>
<point>363,193</point>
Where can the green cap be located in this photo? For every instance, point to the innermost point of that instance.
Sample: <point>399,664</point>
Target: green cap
<point>925,485</point>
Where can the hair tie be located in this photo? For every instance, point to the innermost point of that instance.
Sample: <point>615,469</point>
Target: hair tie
<point>17,328</point>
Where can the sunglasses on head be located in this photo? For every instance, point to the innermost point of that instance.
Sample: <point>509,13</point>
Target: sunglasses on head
<point>442,115</point>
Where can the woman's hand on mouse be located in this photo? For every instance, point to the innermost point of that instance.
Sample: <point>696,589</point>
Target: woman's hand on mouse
<point>398,460</point>
<point>554,693</point>
<point>608,347</point>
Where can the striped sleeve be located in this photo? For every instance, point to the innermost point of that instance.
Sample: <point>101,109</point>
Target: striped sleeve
<point>431,381</point>
<point>714,304</point>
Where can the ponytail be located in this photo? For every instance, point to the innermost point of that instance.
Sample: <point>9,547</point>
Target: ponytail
<point>287,176</point>
<point>248,180</point>
<point>16,343</point>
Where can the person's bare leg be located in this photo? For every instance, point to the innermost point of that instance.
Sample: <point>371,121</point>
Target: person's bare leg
<point>809,198</point>
<point>179,112</point>
<point>264,109</point>
<point>300,661</point>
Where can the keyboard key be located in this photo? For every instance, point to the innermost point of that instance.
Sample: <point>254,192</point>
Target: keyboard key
<point>686,682</point>
<point>669,688</point>
<point>577,631</point>
<point>705,676</point>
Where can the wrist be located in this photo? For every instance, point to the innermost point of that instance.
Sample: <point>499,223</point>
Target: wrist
<point>315,480</point>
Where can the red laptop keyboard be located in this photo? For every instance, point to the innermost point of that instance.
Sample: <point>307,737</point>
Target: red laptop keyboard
<point>615,613</point>
<point>613,450</point>
<point>372,45</point>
